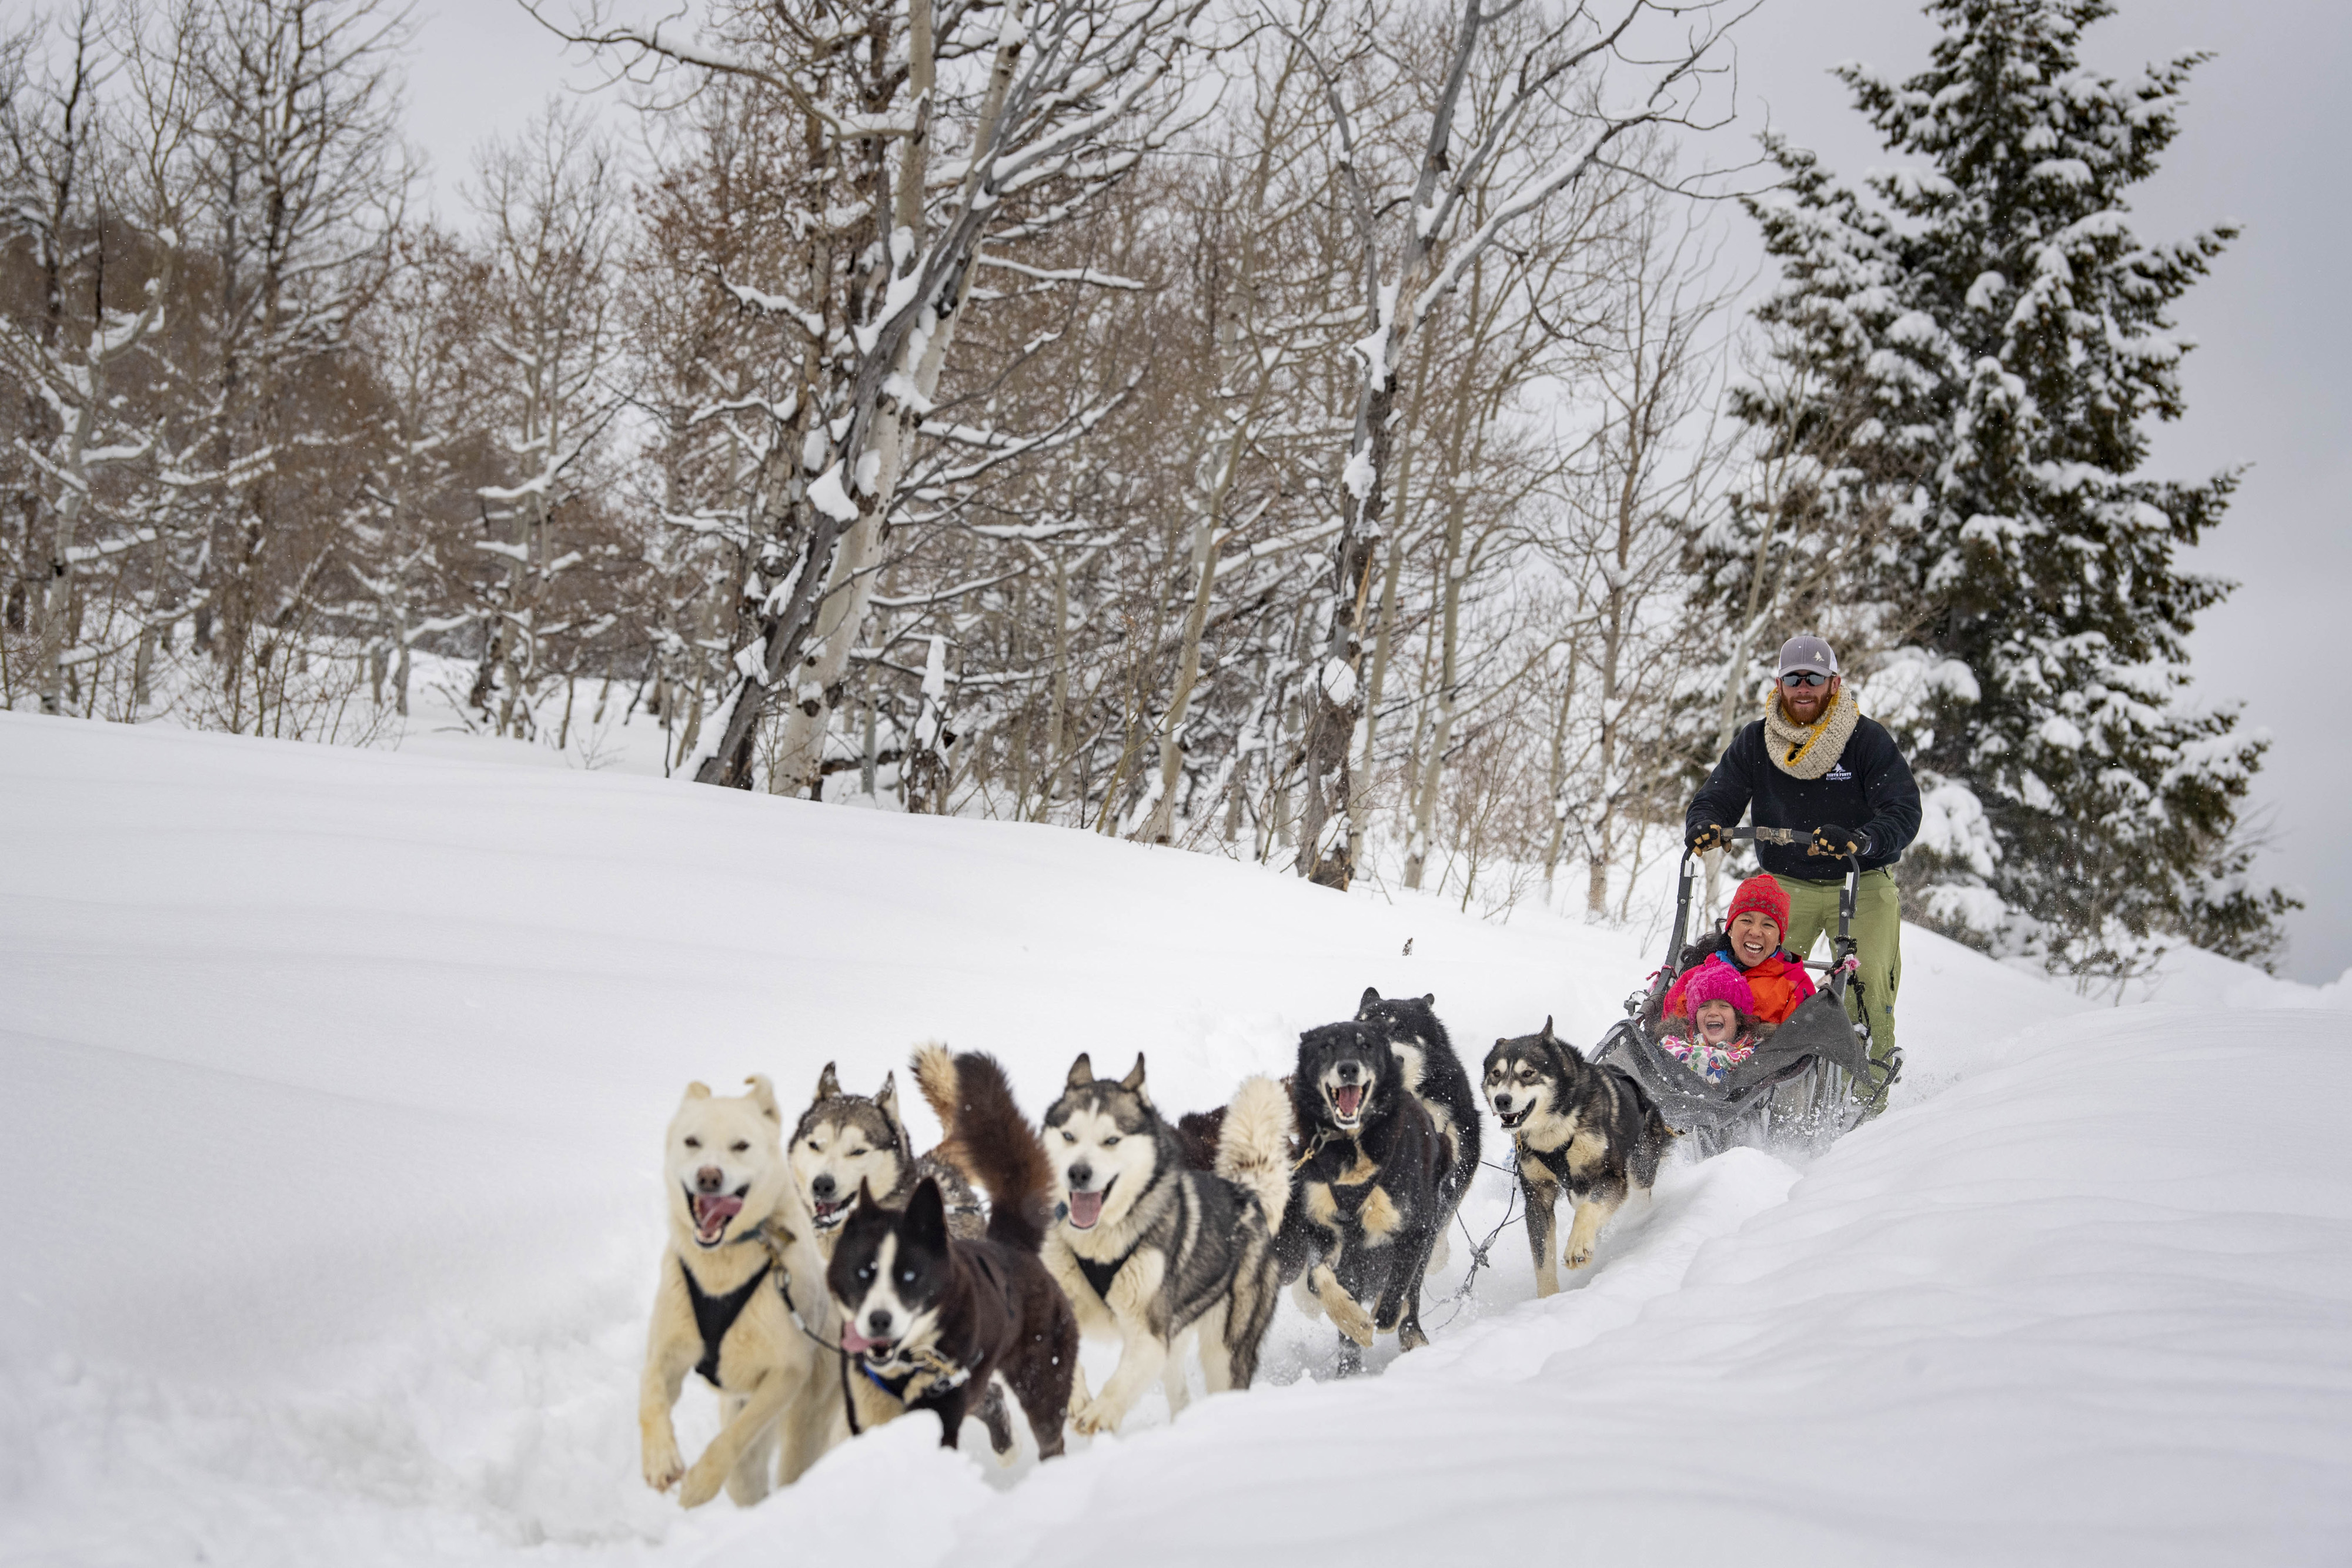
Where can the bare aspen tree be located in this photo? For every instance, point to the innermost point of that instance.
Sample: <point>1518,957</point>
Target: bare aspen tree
<point>72,354</point>
<point>300,176</point>
<point>1073,112</point>
<point>550,205</point>
<point>1652,470</point>
<point>1421,259</point>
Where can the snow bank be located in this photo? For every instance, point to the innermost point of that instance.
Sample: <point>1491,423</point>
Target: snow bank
<point>335,1082</point>
<point>2193,977</point>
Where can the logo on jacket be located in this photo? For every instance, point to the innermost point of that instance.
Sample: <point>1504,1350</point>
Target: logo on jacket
<point>1839,773</point>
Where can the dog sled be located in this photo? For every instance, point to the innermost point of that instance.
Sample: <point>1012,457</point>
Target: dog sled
<point>1809,1079</point>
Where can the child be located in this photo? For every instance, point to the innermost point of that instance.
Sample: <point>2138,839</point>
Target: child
<point>1720,1031</point>
<point>1751,950</point>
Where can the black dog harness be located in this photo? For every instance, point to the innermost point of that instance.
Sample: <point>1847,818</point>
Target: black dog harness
<point>1100,1273</point>
<point>714,1315</point>
<point>1554,1161</point>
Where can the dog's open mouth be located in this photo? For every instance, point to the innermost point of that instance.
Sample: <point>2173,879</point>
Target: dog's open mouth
<point>712,1211</point>
<point>1348,1101</point>
<point>1512,1120</point>
<point>1085,1207</point>
<point>829,1214</point>
<point>856,1344</point>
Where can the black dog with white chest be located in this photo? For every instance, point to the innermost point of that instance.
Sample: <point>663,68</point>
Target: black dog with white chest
<point>931,1319</point>
<point>1364,1204</point>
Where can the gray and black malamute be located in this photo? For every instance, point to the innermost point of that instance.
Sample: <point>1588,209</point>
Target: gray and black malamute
<point>1434,1073</point>
<point>846,1142</point>
<point>1157,1254</point>
<point>932,1321</point>
<point>1590,1130</point>
<point>1364,1204</point>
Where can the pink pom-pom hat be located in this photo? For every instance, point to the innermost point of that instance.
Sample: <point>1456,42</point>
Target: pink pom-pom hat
<point>1716,981</point>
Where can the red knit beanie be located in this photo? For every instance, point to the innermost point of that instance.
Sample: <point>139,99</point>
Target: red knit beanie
<point>1766,897</point>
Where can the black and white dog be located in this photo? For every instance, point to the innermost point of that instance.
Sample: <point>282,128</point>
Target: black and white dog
<point>1364,1204</point>
<point>1157,1254</point>
<point>1590,1131</point>
<point>1425,1054</point>
<point>931,1319</point>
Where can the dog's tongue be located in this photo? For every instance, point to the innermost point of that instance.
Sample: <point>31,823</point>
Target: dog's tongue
<point>1346,1097</point>
<point>856,1344</point>
<point>713,1210</point>
<point>1085,1207</point>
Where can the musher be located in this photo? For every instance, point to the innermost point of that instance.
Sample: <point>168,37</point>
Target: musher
<point>1814,765</point>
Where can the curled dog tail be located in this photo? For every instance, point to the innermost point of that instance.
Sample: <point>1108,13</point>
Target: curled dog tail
<point>987,1136</point>
<point>1254,1144</point>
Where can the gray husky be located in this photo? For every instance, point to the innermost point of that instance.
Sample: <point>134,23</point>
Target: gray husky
<point>1590,1130</point>
<point>1154,1253</point>
<point>846,1142</point>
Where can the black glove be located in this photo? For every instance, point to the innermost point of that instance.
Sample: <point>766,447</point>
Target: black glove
<point>1836,842</point>
<point>1712,836</point>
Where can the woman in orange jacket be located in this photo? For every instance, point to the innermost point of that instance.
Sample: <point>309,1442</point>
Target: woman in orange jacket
<point>1751,946</point>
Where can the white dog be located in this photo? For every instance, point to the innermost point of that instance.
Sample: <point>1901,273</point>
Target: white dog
<point>741,1260</point>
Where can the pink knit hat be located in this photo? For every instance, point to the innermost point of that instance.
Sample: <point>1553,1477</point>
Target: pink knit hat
<point>1716,981</point>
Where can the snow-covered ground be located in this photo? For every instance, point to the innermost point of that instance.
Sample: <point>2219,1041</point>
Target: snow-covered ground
<point>331,1085</point>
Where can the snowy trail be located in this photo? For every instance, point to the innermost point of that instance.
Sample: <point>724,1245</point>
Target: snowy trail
<point>334,1083</point>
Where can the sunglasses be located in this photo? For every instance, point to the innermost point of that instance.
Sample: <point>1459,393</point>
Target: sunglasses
<point>1805,678</point>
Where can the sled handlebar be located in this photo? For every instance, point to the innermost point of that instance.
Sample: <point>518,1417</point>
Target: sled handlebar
<point>1841,944</point>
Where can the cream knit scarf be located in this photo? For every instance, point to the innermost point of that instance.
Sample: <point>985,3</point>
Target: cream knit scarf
<point>1803,753</point>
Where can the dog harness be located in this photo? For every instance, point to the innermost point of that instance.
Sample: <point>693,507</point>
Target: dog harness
<point>714,1315</point>
<point>1554,1161</point>
<point>1099,1274</point>
<point>943,1375</point>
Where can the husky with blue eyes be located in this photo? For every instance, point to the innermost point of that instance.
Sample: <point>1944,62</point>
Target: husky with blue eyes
<point>931,1321</point>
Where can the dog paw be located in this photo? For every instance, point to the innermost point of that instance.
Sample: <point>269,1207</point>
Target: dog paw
<point>1094,1417</point>
<point>1353,1321</point>
<point>1578,1258</point>
<point>664,1464</point>
<point>701,1484</point>
<point>1410,1337</point>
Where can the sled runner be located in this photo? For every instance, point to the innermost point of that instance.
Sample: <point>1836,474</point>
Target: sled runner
<point>1799,1084</point>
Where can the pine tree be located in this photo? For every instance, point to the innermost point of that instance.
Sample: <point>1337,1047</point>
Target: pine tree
<point>1977,344</point>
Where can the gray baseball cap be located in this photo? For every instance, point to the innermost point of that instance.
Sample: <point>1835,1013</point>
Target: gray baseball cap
<point>1806,654</point>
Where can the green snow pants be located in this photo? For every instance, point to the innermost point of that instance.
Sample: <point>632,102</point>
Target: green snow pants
<point>1877,942</point>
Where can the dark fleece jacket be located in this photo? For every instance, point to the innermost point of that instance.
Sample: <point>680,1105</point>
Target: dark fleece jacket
<point>1869,787</point>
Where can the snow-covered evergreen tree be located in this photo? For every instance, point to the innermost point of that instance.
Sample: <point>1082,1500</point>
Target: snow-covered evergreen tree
<point>2008,337</point>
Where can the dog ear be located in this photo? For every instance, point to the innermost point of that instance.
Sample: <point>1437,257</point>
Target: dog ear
<point>763,1095</point>
<point>697,1090</point>
<point>886,1098</point>
<point>828,1083</point>
<point>1134,1079</point>
<point>927,1215</point>
<point>1082,1071</point>
<point>1430,1001</point>
<point>1369,999</point>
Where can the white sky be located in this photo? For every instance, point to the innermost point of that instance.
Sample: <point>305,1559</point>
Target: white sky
<point>2268,388</point>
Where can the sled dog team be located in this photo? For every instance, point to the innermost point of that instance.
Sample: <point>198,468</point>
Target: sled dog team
<point>828,1279</point>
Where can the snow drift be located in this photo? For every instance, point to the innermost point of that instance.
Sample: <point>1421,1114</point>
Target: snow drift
<point>329,1152</point>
